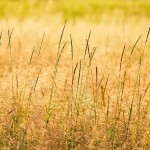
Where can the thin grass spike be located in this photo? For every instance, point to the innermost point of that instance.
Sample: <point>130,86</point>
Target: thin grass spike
<point>134,46</point>
<point>122,57</point>
<point>31,55</point>
<point>61,37</point>
<point>41,44</point>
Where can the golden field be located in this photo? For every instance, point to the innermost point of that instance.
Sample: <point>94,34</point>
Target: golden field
<point>78,84</point>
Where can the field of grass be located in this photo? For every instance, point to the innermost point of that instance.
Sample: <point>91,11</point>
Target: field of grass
<point>74,85</point>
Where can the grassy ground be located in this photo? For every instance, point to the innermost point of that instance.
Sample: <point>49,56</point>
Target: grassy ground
<point>96,101</point>
<point>84,87</point>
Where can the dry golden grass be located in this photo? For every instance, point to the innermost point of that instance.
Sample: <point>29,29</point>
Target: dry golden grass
<point>80,101</point>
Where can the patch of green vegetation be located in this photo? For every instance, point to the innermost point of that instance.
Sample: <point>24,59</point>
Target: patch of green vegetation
<point>72,8</point>
<point>98,7</point>
<point>27,8</point>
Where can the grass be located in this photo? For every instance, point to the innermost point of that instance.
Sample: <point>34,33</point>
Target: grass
<point>73,97</point>
<point>70,89</point>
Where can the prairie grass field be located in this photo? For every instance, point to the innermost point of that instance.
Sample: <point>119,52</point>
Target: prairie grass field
<point>75,75</point>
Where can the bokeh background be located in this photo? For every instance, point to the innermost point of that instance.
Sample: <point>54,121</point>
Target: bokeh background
<point>73,9</point>
<point>122,20</point>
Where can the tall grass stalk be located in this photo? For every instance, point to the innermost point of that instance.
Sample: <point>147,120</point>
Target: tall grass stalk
<point>30,61</point>
<point>87,49</point>
<point>95,94</point>
<point>59,53</point>
<point>26,81</point>
<point>88,68</point>
<point>120,87</point>
<point>77,89</point>
<point>136,82</point>
<point>73,75</point>
<point>10,32</point>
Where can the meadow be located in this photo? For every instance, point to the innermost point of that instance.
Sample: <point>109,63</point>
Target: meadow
<point>74,75</point>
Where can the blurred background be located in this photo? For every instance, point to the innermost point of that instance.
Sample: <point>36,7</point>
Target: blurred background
<point>74,9</point>
<point>112,22</point>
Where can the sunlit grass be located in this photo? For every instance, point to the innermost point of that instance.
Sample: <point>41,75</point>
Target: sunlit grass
<point>73,95</point>
<point>82,84</point>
